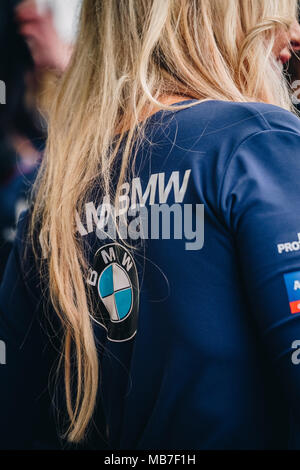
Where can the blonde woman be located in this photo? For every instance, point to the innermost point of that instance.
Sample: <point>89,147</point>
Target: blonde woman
<point>152,297</point>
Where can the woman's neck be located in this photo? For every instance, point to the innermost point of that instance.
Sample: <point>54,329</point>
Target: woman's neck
<point>152,109</point>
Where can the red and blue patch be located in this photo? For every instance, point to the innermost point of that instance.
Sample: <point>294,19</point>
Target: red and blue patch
<point>292,282</point>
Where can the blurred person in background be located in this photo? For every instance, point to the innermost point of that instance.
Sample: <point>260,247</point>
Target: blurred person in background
<point>49,28</point>
<point>164,102</point>
<point>293,68</point>
<point>21,131</point>
<point>35,47</point>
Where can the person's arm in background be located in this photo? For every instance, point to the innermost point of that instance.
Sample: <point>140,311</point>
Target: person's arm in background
<point>260,203</point>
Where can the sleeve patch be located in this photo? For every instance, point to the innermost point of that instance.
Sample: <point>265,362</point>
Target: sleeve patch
<point>292,282</point>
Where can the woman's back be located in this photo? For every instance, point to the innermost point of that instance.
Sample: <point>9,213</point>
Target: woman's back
<point>195,311</point>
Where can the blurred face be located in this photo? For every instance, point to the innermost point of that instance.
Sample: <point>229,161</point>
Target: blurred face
<point>286,43</point>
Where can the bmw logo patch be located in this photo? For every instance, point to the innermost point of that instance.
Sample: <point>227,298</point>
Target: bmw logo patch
<point>115,286</point>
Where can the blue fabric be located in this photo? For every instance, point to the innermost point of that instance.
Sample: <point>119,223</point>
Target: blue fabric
<point>210,366</point>
<point>14,193</point>
<point>106,285</point>
<point>123,302</point>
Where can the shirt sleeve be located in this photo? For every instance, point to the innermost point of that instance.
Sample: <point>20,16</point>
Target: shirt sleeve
<point>28,355</point>
<point>260,204</point>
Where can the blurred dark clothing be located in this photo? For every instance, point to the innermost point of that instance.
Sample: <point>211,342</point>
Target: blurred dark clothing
<point>14,194</point>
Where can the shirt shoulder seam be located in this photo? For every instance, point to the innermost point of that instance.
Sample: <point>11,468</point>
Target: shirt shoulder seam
<point>237,148</point>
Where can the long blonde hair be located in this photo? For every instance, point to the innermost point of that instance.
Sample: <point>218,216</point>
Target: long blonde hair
<point>128,55</point>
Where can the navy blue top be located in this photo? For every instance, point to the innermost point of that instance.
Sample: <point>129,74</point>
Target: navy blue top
<point>198,347</point>
<point>14,193</point>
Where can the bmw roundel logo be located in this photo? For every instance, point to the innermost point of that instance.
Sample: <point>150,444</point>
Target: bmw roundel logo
<point>115,291</point>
